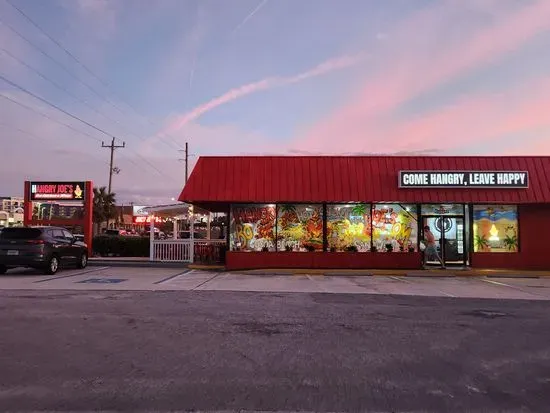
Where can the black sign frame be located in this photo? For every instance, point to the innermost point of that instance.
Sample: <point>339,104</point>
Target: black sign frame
<point>470,179</point>
<point>77,191</point>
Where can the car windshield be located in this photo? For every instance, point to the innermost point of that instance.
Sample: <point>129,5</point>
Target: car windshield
<point>20,233</point>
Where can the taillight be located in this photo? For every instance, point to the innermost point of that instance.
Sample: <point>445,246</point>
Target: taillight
<point>35,241</point>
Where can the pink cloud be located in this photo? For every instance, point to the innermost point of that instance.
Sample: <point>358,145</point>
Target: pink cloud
<point>422,59</point>
<point>239,92</point>
<point>478,119</point>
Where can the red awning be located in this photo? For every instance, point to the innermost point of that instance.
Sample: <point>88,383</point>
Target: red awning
<point>270,179</point>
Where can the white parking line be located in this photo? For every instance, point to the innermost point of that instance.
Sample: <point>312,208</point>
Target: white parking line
<point>73,275</point>
<point>171,277</point>
<point>413,283</point>
<point>511,286</point>
<point>207,281</point>
<point>322,287</point>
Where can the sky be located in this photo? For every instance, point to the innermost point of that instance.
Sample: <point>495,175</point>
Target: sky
<point>263,77</point>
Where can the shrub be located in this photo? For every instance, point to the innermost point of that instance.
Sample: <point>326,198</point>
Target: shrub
<point>121,246</point>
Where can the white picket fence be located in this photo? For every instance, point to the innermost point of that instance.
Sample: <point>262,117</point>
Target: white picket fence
<point>180,250</point>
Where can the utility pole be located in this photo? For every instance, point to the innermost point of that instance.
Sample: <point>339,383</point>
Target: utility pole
<point>112,169</point>
<point>186,160</point>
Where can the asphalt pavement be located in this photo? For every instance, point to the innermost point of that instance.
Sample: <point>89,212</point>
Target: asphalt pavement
<point>252,351</point>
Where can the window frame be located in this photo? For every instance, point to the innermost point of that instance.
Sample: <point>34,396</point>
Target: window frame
<point>323,219</point>
<point>471,208</point>
<point>244,204</point>
<point>325,229</point>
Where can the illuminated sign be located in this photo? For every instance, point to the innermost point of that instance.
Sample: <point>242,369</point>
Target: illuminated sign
<point>146,220</point>
<point>139,211</point>
<point>464,179</point>
<point>55,191</point>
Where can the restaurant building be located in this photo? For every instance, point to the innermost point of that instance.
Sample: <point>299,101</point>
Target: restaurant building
<point>368,212</point>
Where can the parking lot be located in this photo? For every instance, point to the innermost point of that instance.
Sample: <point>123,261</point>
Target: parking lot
<point>168,279</point>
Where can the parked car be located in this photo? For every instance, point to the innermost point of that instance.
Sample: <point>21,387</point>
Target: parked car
<point>45,248</point>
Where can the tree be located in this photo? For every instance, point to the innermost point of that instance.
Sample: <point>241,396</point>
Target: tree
<point>104,206</point>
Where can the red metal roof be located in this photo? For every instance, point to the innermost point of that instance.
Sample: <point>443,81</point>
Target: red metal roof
<point>272,179</point>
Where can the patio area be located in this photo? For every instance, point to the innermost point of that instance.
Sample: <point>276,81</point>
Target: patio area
<point>187,243</point>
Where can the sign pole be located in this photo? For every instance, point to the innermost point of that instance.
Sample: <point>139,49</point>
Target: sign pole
<point>88,215</point>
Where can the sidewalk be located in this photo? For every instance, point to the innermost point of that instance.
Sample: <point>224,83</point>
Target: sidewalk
<point>450,272</point>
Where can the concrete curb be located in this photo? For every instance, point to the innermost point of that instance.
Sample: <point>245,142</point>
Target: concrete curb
<point>140,264</point>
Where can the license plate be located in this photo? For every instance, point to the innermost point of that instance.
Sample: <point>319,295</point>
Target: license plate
<point>13,252</point>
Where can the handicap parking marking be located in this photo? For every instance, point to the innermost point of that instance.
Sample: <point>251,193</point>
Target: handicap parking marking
<point>102,281</point>
<point>97,269</point>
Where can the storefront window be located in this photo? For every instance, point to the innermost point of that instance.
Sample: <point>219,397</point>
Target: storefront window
<point>495,228</point>
<point>252,227</point>
<point>349,227</point>
<point>394,227</point>
<point>299,227</point>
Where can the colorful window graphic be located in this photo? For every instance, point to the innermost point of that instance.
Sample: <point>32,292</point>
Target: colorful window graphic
<point>349,227</point>
<point>394,227</point>
<point>252,228</point>
<point>299,227</point>
<point>495,228</point>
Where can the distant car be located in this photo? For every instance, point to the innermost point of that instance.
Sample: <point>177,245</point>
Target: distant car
<point>187,235</point>
<point>44,248</point>
<point>115,232</point>
<point>157,234</point>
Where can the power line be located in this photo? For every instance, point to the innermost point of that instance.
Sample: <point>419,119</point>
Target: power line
<point>40,139</point>
<point>76,78</point>
<point>85,84</point>
<point>72,56</point>
<point>49,117</point>
<point>63,89</point>
<point>85,67</point>
<point>57,85</point>
<point>9,26</point>
<point>21,88</point>
<point>85,134</point>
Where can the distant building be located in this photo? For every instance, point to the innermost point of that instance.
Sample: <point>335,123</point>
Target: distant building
<point>11,211</point>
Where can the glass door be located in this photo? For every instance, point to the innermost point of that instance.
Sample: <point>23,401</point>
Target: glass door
<point>431,222</point>
<point>453,244</point>
<point>449,235</point>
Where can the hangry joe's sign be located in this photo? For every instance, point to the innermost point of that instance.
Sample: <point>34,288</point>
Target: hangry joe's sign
<point>464,179</point>
<point>57,191</point>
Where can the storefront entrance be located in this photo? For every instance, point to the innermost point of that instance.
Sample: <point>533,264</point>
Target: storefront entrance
<point>448,225</point>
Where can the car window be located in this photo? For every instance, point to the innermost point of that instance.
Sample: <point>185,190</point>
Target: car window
<point>57,233</point>
<point>20,233</point>
<point>67,234</point>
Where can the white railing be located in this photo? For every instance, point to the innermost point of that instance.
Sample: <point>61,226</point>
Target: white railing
<point>179,250</point>
<point>175,250</point>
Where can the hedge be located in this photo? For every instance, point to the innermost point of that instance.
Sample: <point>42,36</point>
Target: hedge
<point>105,246</point>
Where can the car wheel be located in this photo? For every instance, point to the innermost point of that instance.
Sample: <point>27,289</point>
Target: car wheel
<point>53,265</point>
<point>83,261</point>
<point>3,269</point>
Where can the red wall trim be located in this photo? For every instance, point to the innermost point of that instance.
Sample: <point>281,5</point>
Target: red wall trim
<point>323,260</point>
